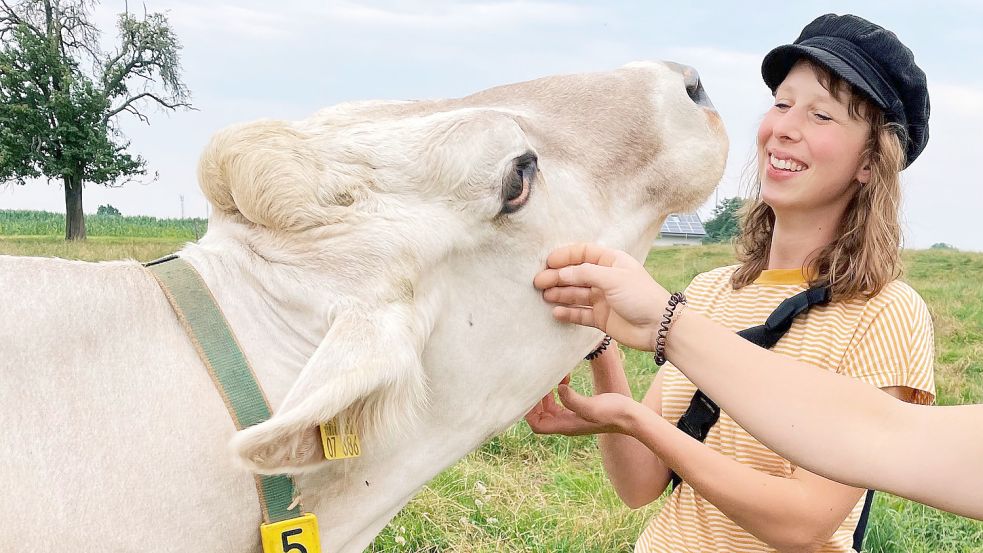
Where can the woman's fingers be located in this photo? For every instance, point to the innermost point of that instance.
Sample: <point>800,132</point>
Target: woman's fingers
<point>586,275</point>
<point>570,295</point>
<point>562,421</point>
<point>583,316</point>
<point>581,253</point>
<point>550,405</point>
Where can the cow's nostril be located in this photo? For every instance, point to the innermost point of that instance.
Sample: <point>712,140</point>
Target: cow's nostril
<point>691,80</point>
<point>698,95</point>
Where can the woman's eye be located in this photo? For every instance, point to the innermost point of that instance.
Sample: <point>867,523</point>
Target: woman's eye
<point>823,117</point>
<point>782,106</point>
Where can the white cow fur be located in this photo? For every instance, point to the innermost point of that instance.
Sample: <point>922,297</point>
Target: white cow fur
<point>362,261</point>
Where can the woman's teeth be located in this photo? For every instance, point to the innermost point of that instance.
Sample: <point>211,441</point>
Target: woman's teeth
<point>786,164</point>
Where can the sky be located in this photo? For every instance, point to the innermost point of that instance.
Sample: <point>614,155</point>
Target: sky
<point>252,59</point>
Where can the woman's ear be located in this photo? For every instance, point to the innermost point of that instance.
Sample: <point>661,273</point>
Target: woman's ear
<point>863,173</point>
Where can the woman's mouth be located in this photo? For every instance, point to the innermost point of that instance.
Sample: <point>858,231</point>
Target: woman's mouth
<point>789,164</point>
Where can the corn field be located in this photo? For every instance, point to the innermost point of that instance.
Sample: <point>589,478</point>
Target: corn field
<point>45,223</point>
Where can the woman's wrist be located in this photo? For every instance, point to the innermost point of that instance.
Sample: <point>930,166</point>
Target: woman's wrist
<point>638,418</point>
<point>599,350</point>
<point>609,374</point>
<point>649,428</point>
<point>651,328</point>
<point>673,311</point>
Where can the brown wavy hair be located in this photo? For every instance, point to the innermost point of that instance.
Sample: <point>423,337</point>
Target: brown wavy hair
<point>864,257</point>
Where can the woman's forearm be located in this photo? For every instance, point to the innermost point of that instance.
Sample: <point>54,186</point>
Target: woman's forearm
<point>637,475</point>
<point>834,425</point>
<point>783,512</point>
<point>780,400</point>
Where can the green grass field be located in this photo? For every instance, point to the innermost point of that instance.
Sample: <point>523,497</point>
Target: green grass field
<point>521,492</point>
<point>45,223</point>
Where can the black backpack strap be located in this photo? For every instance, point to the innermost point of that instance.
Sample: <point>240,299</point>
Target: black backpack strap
<point>781,318</point>
<point>861,530</point>
<point>702,412</point>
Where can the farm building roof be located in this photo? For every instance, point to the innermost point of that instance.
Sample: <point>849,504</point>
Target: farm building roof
<point>683,224</point>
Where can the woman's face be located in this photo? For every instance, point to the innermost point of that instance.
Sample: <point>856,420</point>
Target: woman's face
<point>809,148</point>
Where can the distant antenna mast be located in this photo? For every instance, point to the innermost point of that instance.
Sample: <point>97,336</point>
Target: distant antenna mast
<point>182,205</point>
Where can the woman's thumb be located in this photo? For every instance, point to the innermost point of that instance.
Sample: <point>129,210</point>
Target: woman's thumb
<point>571,399</point>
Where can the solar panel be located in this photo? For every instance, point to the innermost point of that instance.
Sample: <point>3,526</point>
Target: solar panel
<point>683,223</point>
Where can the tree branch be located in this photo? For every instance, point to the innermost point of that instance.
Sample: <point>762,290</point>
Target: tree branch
<point>15,19</point>
<point>153,97</point>
<point>136,112</point>
<point>107,70</point>
<point>111,86</point>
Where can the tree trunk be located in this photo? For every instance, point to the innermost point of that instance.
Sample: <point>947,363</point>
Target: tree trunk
<point>74,217</point>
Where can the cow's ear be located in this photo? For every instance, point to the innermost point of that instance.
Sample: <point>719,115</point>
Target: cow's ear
<point>366,376</point>
<point>273,175</point>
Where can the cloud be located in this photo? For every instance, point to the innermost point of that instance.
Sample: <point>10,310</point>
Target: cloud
<point>733,59</point>
<point>454,16</point>
<point>942,193</point>
<point>956,99</point>
<point>265,20</point>
<point>239,20</point>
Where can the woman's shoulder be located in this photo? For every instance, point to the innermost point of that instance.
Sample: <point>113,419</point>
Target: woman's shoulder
<point>897,292</point>
<point>714,277</point>
<point>897,300</point>
<point>710,286</point>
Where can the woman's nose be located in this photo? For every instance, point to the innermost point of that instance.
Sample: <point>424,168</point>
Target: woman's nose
<point>787,126</point>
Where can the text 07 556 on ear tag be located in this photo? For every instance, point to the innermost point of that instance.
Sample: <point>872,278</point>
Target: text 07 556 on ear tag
<point>294,535</point>
<point>338,446</point>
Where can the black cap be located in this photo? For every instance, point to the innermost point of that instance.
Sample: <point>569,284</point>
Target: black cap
<point>872,60</point>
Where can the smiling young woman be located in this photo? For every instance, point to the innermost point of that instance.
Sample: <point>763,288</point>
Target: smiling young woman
<point>850,112</point>
<point>861,223</point>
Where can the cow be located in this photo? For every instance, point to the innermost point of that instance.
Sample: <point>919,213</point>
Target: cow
<point>375,264</point>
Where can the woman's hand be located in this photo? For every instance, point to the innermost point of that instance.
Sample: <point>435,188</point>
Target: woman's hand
<point>549,417</point>
<point>606,289</point>
<point>608,412</point>
<point>582,415</point>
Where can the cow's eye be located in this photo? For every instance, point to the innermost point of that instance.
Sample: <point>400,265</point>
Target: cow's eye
<point>517,183</point>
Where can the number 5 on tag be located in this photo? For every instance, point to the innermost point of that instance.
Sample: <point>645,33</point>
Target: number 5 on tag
<point>295,535</point>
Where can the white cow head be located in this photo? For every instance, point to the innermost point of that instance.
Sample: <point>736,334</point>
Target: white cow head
<point>402,238</point>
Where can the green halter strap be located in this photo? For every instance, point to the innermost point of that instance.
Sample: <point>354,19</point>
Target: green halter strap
<point>205,325</point>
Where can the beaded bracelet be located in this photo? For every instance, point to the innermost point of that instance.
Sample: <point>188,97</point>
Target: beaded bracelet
<point>600,349</point>
<point>660,341</point>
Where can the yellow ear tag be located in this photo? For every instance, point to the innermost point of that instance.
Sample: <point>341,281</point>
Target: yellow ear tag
<point>338,446</point>
<point>294,535</point>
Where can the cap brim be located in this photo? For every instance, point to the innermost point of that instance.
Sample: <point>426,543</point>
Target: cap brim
<point>779,62</point>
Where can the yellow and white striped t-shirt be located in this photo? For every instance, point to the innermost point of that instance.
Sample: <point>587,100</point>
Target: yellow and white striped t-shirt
<point>886,341</point>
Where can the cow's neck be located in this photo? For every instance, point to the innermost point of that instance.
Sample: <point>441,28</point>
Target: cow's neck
<point>355,499</point>
<point>274,310</point>
<point>279,318</point>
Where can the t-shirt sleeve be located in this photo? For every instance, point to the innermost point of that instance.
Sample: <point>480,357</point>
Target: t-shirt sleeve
<point>895,346</point>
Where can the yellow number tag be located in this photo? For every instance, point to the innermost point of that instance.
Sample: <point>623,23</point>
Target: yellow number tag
<point>338,446</point>
<point>295,535</point>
